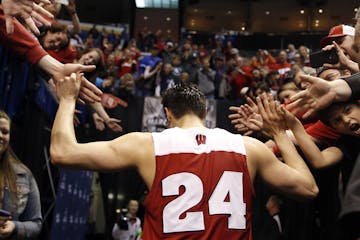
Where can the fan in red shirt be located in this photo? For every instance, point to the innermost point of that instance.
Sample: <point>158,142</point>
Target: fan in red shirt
<point>240,77</point>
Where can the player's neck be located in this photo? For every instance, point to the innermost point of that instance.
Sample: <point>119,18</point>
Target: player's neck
<point>188,121</point>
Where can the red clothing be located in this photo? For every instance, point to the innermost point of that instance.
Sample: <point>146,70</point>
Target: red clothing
<point>322,132</point>
<point>21,41</point>
<point>319,131</point>
<point>202,188</point>
<point>135,53</point>
<point>203,54</point>
<point>270,60</point>
<point>239,79</point>
<point>64,56</point>
<point>125,67</point>
<point>305,122</point>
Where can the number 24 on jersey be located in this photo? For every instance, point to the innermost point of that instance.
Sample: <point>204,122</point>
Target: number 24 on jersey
<point>229,183</point>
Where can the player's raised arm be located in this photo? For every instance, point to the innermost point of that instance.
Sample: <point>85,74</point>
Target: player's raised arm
<point>104,156</point>
<point>292,177</point>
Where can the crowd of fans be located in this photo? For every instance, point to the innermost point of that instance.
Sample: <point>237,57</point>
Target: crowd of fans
<point>156,63</point>
<point>219,69</point>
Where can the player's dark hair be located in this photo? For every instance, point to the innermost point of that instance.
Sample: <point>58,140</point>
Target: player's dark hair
<point>182,99</point>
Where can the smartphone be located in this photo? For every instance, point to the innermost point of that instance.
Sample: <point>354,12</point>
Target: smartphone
<point>4,213</point>
<point>317,59</point>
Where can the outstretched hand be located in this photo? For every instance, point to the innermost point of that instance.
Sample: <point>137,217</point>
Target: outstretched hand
<point>99,122</point>
<point>317,96</point>
<point>113,124</point>
<point>71,7</point>
<point>241,119</point>
<point>27,10</point>
<point>242,115</point>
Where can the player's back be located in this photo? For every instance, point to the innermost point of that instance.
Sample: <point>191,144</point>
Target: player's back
<point>202,188</point>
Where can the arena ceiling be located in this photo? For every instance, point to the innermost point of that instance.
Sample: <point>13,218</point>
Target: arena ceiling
<point>270,16</point>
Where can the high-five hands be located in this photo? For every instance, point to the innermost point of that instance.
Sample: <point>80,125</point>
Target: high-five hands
<point>68,88</point>
<point>272,114</point>
<point>88,91</point>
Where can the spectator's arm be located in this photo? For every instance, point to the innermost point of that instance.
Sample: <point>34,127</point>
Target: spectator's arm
<point>271,59</point>
<point>312,153</point>
<point>299,180</point>
<point>354,84</point>
<point>71,8</point>
<point>320,94</point>
<point>356,45</point>
<point>89,92</point>
<point>148,73</point>
<point>112,123</point>
<point>20,41</point>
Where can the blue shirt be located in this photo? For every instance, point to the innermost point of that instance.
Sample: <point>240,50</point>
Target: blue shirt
<point>148,61</point>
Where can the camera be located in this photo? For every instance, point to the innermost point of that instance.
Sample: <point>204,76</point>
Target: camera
<point>317,59</point>
<point>123,219</point>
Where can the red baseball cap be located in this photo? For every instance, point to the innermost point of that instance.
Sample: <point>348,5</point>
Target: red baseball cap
<point>337,31</point>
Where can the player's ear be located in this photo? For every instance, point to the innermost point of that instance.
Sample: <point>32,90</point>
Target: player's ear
<point>204,115</point>
<point>168,114</point>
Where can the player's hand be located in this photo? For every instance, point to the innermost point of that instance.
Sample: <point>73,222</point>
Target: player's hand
<point>69,87</point>
<point>89,92</point>
<point>26,10</point>
<point>273,122</point>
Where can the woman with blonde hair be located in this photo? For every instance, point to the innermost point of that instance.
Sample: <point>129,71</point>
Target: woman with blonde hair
<point>19,194</point>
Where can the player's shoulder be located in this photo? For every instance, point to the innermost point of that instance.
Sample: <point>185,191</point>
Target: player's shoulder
<point>135,137</point>
<point>253,145</point>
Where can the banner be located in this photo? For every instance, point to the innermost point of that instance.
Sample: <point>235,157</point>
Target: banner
<point>72,205</point>
<point>154,119</point>
<point>210,120</point>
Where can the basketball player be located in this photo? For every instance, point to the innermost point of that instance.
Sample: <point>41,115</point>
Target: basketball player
<point>199,179</point>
